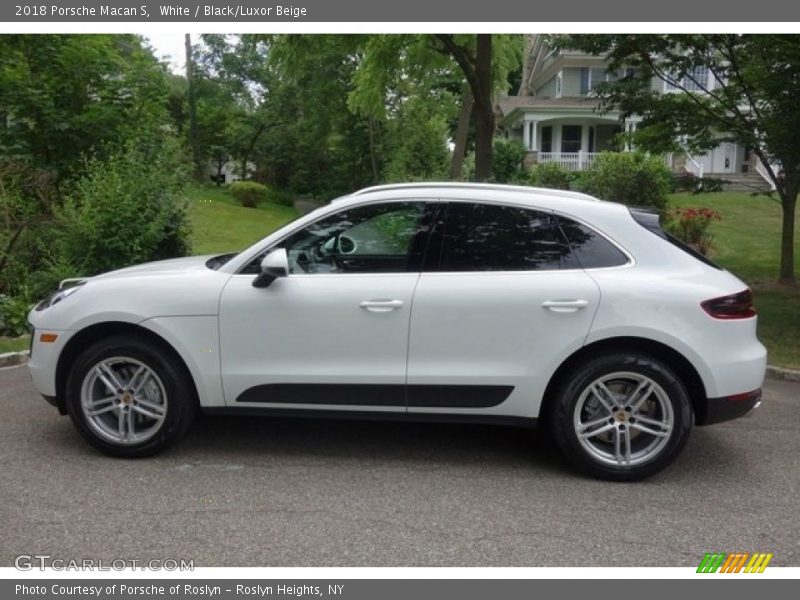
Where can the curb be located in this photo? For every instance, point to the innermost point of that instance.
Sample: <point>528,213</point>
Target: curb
<point>12,359</point>
<point>783,374</point>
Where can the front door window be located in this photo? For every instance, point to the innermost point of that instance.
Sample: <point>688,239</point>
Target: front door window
<point>571,138</point>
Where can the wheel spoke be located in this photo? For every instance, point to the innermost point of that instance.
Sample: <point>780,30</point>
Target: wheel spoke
<point>138,378</point>
<point>639,395</point>
<point>131,430</point>
<point>598,431</point>
<point>628,446</point>
<point>156,408</point>
<point>653,422</point>
<point>649,431</point>
<point>109,379</point>
<point>617,448</point>
<point>121,424</point>
<point>603,395</point>
<point>95,402</point>
<point>99,411</point>
<point>584,426</point>
<point>142,410</point>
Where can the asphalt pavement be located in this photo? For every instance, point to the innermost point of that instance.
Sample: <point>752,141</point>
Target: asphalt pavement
<point>296,492</point>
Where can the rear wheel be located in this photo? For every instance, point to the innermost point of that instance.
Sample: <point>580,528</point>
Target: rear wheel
<point>129,397</point>
<point>622,417</point>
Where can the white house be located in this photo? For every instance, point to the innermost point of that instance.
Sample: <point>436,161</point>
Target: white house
<point>557,119</point>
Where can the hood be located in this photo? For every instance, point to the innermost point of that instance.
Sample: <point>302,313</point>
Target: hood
<point>173,266</point>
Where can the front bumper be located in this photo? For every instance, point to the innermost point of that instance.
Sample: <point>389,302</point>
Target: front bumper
<point>717,410</point>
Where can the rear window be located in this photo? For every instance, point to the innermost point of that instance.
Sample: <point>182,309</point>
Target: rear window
<point>651,221</point>
<point>592,250</point>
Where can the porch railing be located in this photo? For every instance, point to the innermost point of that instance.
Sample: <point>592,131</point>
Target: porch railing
<point>572,161</point>
<point>762,170</point>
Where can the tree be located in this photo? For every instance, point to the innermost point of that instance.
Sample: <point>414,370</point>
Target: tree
<point>727,87</point>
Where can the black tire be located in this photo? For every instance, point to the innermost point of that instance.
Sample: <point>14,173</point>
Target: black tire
<point>181,401</point>
<point>563,429</point>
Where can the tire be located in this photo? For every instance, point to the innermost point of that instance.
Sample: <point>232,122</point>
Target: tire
<point>621,417</point>
<point>146,402</point>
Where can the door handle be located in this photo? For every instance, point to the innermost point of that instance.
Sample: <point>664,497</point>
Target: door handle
<point>565,306</point>
<point>381,305</point>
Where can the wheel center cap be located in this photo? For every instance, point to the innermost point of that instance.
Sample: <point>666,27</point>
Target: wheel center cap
<point>621,416</point>
<point>126,398</point>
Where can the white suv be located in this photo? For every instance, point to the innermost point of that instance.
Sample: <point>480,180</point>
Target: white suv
<point>457,302</point>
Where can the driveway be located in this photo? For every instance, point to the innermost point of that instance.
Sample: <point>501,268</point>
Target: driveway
<point>263,492</point>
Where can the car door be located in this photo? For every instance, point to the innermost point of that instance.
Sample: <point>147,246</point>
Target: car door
<point>333,334</point>
<point>501,301</point>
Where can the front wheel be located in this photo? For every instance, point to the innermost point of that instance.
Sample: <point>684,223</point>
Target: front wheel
<point>129,397</point>
<point>622,417</point>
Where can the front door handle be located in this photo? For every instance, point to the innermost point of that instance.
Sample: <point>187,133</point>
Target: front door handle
<point>565,306</point>
<point>381,305</point>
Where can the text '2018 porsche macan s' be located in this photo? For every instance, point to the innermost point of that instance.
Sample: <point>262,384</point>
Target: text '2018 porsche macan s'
<point>456,302</point>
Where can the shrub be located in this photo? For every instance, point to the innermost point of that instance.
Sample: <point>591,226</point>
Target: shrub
<point>692,226</point>
<point>282,197</point>
<point>507,157</point>
<point>550,175</point>
<point>123,210</point>
<point>249,193</point>
<point>633,178</point>
<point>14,315</point>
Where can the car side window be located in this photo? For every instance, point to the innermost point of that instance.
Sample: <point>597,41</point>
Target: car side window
<point>379,238</point>
<point>592,250</point>
<point>489,237</point>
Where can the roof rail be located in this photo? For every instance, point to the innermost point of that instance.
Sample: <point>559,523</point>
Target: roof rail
<point>472,186</point>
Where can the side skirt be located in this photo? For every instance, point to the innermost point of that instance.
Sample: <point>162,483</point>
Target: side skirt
<point>262,411</point>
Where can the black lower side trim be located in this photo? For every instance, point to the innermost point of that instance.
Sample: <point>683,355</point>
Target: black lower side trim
<point>449,396</point>
<point>717,410</point>
<point>360,415</point>
<point>324,393</point>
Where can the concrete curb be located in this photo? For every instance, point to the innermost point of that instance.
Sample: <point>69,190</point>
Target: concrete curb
<point>783,374</point>
<point>12,359</point>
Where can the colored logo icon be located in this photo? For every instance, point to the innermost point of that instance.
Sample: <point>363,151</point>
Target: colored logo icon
<point>737,562</point>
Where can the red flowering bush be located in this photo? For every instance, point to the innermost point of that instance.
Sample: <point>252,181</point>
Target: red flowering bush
<point>692,226</point>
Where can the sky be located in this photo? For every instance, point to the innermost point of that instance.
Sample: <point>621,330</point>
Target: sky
<point>169,48</point>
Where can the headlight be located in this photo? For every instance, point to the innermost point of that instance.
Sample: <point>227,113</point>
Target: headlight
<point>57,297</point>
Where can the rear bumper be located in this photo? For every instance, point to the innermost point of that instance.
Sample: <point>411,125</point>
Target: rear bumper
<point>717,410</point>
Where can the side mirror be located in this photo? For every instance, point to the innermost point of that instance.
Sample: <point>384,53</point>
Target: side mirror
<point>274,265</point>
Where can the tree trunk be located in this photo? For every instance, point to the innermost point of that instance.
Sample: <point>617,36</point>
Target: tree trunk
<point>462,133</point>
<point>250,147</point>
<point>789,207</point>
<point>484,124</point>
<point>191,97</point>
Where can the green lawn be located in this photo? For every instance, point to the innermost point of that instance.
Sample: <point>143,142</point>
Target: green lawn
<point>747,243</point>
<point>14,344</point>
<point>220,224</point>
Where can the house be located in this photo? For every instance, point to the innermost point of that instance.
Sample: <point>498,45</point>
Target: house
<point>228,171</point>
<point>557,118</point>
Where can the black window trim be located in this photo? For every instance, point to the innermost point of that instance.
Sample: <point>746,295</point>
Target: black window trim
<point>431,211</point>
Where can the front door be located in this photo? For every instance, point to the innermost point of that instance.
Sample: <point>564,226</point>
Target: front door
<point>333,334</point>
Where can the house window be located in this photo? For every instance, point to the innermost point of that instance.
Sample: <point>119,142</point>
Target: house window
<point>559,84</point>
<point>547,139</point>
<point>593,77</point>
<point>696,79</point>
<point>591,139</point>
<point>571,138</point>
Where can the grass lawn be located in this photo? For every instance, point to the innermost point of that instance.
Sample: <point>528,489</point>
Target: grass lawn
<point>747,243</point>
<point>220,224</point>
<point>16,344</point>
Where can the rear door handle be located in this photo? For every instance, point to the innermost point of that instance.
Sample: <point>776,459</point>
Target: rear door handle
<point>565,306</point>
<point>381,305</point>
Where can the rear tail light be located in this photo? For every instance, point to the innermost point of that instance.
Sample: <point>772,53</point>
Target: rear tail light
<point>735,306</point>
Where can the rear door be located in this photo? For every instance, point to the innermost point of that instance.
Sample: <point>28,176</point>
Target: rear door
<point>501,301</point>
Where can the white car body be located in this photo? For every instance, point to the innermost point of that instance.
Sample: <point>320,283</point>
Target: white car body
<point>492,329</point>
